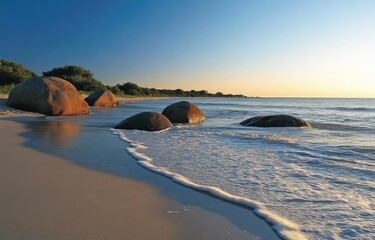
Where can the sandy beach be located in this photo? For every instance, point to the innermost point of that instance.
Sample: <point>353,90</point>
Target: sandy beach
<point>187,120</point>
<point>63,181</point>
<point>45,197</point>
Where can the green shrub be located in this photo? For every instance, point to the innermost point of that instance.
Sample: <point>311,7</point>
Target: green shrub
<point>13,73</point>
<point>133,90</point>
<point>81,78</point>
<point>116,90</point>
<point>130,89</point>
<point>6,89</point>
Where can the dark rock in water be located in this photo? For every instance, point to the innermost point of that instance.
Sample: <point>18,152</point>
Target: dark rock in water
<point>102,98</point>
<point>48,95</point>
<point>149,121</point>
<point>183,112</point>
<point>275,121</point>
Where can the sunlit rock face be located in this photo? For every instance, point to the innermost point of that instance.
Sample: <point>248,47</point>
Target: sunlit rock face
<point>102,98</point>
<point>184,112</point>
<point>148,121</point>
<point>48,95</point>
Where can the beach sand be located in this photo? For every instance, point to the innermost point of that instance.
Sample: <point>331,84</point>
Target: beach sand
<point>45,197</point>
<point>63,181</point>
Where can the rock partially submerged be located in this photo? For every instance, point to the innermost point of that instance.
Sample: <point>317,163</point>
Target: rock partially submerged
<point>148,121</point>
<point>48,95</point>
<point>275,121</point>
<point>102,98</point>
<point>183,112</point>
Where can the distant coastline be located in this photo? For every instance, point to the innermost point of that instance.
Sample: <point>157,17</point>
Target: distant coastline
<point>12,73</point>
<point>132,89</point>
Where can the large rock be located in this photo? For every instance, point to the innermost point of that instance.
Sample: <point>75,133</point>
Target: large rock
<point>102,98</point>
<point>48,95</point>
<point>149,121</point>
<point>183,112</point>
<point>275,121</point>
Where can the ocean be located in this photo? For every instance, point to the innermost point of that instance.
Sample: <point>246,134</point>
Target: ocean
<point>312,183</point>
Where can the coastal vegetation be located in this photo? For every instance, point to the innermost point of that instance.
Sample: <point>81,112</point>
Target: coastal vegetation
<point>132,89</point>
<point>13,73</point>
<point>6,89</point>
<point>81,78</point>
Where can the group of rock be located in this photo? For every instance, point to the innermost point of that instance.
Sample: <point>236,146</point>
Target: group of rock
<point>54,96</point>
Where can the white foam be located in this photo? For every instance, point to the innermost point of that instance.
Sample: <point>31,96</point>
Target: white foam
<point>285,228</point>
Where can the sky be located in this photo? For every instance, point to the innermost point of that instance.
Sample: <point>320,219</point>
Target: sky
<point>279,48</point>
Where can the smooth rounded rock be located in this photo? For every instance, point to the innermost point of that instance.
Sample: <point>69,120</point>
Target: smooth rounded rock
<point>148,121</point>
<point>48,95</point>
<point>102,98</point>
<point>184,112</point>
<point>276,121</point>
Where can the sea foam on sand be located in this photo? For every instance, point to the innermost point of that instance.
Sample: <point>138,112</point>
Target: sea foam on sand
<point>283,227</point>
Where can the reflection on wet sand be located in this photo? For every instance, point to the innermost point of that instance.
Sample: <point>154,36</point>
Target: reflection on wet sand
<point>58,133</point>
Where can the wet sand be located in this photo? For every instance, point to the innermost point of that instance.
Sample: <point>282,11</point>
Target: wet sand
<point>47,197</point>
<point>59,180</point>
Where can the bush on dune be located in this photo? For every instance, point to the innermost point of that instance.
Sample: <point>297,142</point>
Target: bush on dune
<point>132,89</point>
<point>6,89</point>
<point>116,90</point>
<point>13,73</point>
<point>81,78</point>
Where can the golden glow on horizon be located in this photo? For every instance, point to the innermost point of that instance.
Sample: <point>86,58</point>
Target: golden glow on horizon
<point>276,84</point>
<point>333,70</point>
<point>337,62</point>
<point>345,71</point>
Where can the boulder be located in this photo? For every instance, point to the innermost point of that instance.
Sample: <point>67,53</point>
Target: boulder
<point>48,95</point>
<point>149,121</point>
<point>183,112</point>
<point>102,98</point>
<point>275,121</point>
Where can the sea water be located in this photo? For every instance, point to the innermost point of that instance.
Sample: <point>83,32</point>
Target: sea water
<point>312,183</point>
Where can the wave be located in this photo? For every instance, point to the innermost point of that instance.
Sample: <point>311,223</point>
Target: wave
<point>284,228</point>
<point>228,113</point>
<point>270,138</point>
<point>353,109</point>
<point>235,131</point>
<point>367,151</point>
<point>337,126</point>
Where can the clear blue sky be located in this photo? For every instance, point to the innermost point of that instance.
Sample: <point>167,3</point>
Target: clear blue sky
<point>291,48</point>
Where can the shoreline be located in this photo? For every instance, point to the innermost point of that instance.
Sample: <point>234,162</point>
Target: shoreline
<point>46,197</point>
<point>194,215</point>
